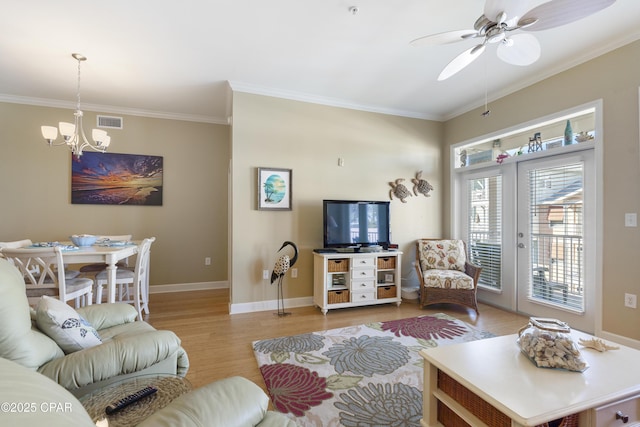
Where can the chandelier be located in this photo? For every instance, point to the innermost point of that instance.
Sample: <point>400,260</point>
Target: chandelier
<point>73,133</point>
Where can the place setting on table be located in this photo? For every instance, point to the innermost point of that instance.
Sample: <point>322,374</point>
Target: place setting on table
<point>88,248</point>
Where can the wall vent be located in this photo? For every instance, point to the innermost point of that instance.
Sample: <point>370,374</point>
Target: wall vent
<point>110,122</point>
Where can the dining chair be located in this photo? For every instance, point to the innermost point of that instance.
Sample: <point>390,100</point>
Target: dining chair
<point>69,274</point>
<point>133,286</point>
<point>49,278</point>
<point>19,244</point>
<point>97,267</point>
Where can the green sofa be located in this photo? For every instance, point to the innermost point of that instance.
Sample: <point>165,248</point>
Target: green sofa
<point>29,399</point>
<point>128,347</point>
<point>40,383</point>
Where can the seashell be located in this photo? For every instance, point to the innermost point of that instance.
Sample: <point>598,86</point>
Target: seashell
<point>597,344</point>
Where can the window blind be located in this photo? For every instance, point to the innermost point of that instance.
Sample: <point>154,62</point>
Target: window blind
<point>556,235</point>
<point>484,240</point>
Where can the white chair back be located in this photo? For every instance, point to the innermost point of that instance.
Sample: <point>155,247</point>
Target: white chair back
<point>141,276</point>
<point>15,244</point>
<point>18,244</point>
<point>44,273</point>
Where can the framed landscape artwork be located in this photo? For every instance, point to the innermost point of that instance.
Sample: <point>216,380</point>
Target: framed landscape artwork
<point>274,189</point>
<point>116,179</point>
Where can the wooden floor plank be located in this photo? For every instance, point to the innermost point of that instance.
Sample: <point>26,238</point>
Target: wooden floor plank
<point>219,344</point>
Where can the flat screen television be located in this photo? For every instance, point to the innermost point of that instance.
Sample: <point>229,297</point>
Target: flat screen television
<point>354,223</point>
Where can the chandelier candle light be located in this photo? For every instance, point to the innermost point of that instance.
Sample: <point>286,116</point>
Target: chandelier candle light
<point>73,133</point>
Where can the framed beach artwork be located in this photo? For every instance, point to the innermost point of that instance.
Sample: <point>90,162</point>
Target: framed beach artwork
<point>116,179</point>
<point>274,189</point>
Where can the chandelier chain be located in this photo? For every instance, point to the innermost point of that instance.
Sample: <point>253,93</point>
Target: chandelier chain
<point>73,133</point>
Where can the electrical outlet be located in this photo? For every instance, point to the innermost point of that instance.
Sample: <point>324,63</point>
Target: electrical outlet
<point>630,300</point>
<point>265,274</point>
<point>294,273</point>
<point>207,261</point>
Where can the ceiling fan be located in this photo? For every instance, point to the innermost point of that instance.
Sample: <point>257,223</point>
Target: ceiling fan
<point>500,18</point>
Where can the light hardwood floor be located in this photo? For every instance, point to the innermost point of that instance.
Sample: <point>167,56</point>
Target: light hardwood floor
<point>219,344</point>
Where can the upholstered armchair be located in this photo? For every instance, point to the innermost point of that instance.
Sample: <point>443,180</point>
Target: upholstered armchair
<point>82,349</point>
<point>445,274</point>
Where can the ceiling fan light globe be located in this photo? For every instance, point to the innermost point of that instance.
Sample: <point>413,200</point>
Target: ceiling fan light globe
<point>522,50</point>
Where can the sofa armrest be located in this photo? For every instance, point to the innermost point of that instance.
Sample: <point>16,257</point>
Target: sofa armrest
<point>102,316</point>
<point>122,355</point>
<point>230,402</point>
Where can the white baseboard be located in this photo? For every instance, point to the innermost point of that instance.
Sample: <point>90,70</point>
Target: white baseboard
<point>184,287</point>
<point>250,307</point>
<point>620,339</point>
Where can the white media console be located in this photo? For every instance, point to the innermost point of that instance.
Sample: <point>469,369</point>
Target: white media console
<point>355,279</point>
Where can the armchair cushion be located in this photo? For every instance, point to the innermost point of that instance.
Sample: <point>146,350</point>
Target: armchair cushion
<point>231,402</point>
<point>442,255</point>
<point>65,326</point>
<point>103,316</point>
<point>138,347</point>
<point>447,279</point>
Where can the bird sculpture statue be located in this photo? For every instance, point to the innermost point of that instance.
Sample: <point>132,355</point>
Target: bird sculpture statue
<point>280,269</point>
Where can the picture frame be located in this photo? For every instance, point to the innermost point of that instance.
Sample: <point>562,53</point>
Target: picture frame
<point>116,179</point>
<point>274,189</point>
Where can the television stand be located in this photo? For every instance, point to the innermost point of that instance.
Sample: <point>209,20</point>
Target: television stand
<point>353,279</point>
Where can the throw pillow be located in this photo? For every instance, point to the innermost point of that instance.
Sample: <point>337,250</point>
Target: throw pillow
<point>65,326</point>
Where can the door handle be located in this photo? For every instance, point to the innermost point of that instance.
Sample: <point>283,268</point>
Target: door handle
<point>521,245</point>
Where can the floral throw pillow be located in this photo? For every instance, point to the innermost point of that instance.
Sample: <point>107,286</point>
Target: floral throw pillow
<point>65,326</point>
<point>442,255</point>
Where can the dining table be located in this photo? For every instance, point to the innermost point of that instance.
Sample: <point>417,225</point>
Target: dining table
<point>109,254</point>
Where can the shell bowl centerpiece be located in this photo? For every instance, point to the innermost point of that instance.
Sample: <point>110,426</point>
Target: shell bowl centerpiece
<point>83,239</point>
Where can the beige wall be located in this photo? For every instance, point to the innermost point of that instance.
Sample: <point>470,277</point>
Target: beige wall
<point>309,139</point>
<point>191,224</point>
<point>614,78</point>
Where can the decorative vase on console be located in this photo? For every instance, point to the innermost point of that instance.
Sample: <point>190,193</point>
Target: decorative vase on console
<point>568,134</point>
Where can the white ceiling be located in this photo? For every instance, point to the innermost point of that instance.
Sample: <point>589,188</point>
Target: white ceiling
<point>175,58</point>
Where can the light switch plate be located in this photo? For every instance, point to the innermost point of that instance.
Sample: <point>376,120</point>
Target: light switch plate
<point>630,220</point>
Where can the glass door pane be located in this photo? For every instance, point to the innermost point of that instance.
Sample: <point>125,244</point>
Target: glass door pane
<point>555,200</point>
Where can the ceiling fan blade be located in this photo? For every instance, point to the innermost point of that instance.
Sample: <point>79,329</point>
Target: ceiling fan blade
<point>444,38</point>
<point>513,9</point>
<point>461,61</point>
<point>519,49</point>
<point>561,12</point>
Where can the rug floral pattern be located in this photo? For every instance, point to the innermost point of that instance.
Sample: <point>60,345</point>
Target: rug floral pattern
<point>365,375</point>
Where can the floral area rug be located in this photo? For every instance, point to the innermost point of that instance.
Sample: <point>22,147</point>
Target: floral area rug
<point>365,375</point>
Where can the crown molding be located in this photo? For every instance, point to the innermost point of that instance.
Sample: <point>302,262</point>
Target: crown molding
<point>321,100</point>
<point>53,103</point>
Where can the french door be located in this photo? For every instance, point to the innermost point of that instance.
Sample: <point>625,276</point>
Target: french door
<point>531,226</point>
<point>555,238</point>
